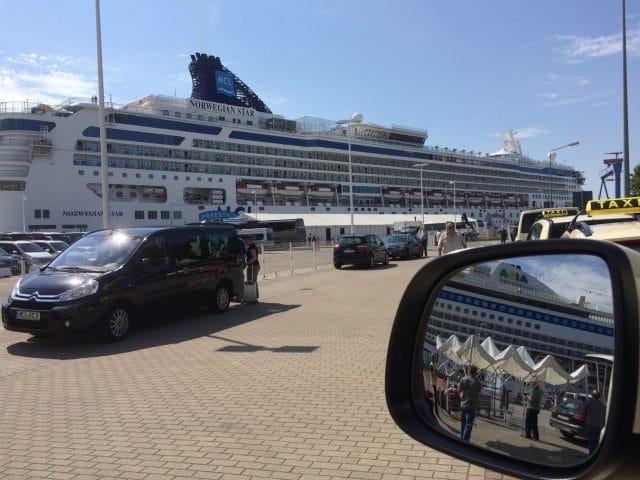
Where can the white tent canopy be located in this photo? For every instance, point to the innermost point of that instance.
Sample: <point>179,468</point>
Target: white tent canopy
<point>513,361</point>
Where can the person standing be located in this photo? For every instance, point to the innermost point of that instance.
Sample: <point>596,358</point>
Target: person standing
<point>503,234</point>
<point>534,398</point>
<point>594,411</point>
<point>424,239</point>
<point>450,240</point>
<point>253,263</point>
<point>433,374</point>
<point>469,391</point>
<point>436,237</point>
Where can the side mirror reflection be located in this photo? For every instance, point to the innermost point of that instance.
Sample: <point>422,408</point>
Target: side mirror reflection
<point>518,355</point>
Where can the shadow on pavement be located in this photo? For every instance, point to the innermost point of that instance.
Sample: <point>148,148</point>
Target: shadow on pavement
<point>152,332</point>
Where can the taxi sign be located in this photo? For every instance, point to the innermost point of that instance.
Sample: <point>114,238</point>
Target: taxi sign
<point>557,212</point>
<point>614,205</point>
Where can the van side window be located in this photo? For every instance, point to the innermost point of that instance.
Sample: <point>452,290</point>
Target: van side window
<point>155,251</point>
<point>189,247</point>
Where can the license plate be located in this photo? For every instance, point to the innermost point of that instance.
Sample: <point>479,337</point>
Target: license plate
<point>563,417</point>
<point>348,250</point>
<point>27,315</point>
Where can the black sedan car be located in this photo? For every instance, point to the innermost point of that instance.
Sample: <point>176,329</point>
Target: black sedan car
<point>360,249</point>
<point>404,245</point>
<point>568,418</point>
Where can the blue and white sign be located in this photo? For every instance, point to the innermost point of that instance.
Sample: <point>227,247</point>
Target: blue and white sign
<point>224,83</point>
<point>217,215</point>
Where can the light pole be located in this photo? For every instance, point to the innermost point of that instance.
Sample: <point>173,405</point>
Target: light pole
<point>421,166</point>
<point>455,220</point>
<point>552,157</point>
<point>255,202</point>
<point>24,218</point>
<point>356,118</point>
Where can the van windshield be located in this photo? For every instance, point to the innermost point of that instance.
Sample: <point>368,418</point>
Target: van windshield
<point>97,252</point>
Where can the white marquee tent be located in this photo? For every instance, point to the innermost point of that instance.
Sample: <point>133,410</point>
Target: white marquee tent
<point>516,362</point>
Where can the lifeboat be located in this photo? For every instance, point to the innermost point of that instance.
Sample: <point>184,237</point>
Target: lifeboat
<point>413,195</point>
<point>435,196</point>
<point>495,198</point>
<point>475,198</point>
<point>245,188</point>
<point>289,190</point>
<point>320,192</point>
<point>391,194</point>
<point>510,199</point>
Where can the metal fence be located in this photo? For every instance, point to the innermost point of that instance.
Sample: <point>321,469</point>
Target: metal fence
<point>273,263</point>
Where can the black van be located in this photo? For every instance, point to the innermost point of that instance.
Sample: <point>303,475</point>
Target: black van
<point>107,278</point>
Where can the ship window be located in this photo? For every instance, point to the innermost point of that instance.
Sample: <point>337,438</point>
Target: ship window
<point>221,118</point>
<point>211,119</point>
<point>124,174</point>
<point>152,215</point>
<point>37,213</point>
<point>189,117</point>
<point>96,173</point>
<point>80,172</point>
<point>177,114</point>
<point>175,177</point>
<point>139,214</point>
<point>164,215</point>
<point>137,175</point>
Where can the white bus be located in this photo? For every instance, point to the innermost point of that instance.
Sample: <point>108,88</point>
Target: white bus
<point>263,236</point>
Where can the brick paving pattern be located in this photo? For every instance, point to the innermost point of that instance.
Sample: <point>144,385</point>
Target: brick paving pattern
<point>290,388</point>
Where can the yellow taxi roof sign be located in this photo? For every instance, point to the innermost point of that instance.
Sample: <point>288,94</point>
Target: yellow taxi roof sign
<point>613,205</point>
<point>558,212</point>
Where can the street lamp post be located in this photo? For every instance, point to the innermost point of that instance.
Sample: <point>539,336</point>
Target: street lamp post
<point>24,218</point>
<point>421,166</point>
<point>356,118</point>
<point>255,202</point>
<point>552,157</point>
<point>455,219</point>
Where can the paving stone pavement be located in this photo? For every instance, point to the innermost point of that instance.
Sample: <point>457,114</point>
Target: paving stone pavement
<point>290,388</point>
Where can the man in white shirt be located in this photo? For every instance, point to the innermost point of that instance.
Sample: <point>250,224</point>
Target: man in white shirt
<point>450,240</point>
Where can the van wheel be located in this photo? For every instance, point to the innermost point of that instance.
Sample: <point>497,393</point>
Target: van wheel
<point>386,259</point>
<point>337,265</point>
<point>117,322</point>
<point>566,434</point>
<point>221,299</point>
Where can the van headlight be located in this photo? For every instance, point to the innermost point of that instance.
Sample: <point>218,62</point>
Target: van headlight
<point>87,288</point>
<point>16,290</point>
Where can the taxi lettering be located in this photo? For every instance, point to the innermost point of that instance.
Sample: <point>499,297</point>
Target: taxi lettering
<point>555,213</point>
<point>622,205</point>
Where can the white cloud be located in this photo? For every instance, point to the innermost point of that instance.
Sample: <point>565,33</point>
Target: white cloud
<point>46,78</point>
<point>579,49</point>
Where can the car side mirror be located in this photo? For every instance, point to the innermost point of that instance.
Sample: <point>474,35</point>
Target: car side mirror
<point>518,325</point>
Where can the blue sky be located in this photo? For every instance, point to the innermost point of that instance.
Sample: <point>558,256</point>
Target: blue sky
<point>462,70</point>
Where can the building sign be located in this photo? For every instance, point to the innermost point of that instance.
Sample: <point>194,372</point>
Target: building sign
<point>217,215</point>
<point>89,213</point>
<point>224,83</point>
<point>222,108</point>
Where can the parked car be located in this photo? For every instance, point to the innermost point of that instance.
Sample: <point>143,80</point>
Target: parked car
<point>9,264</point>
<point>108,278</point>
<point>568,418</point>
<point>360,249</point>
<point>28,252</point>
<point>404,245</point>
<point>54,247</point>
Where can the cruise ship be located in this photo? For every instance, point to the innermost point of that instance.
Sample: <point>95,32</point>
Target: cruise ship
<point>222,152</point>
<point>507,302</point>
